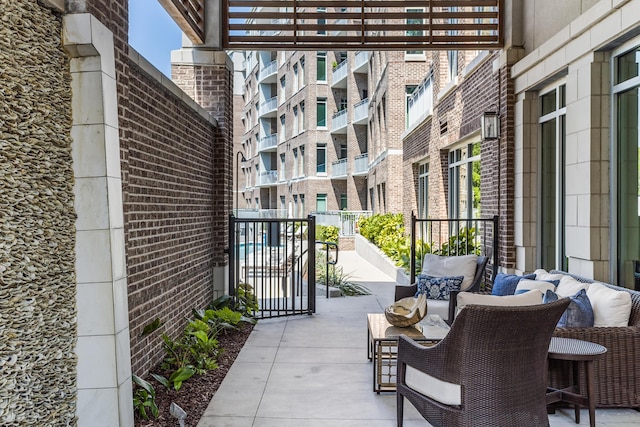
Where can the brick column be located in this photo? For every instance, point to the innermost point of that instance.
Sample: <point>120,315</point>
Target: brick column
<point>207,76</point>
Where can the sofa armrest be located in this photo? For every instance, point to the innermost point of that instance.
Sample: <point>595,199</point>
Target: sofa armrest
<point>405,291</point>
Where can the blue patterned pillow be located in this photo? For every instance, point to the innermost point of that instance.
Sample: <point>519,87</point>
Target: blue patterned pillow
<point>505,284</point>
<point>438,287</point>
<point>579,313</point>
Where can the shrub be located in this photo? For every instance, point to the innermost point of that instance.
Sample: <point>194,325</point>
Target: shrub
<point>327,233</point>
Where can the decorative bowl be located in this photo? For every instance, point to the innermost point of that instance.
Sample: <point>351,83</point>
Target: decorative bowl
<point>407,311</point>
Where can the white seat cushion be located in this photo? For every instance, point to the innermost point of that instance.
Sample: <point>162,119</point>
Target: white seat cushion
<point>432,387</point>
<point>439,307</point>
<point>448,266</point>
<point>610,307</point>
<point>525,285</point>
<point>532,297</point>
<point>569,286</point>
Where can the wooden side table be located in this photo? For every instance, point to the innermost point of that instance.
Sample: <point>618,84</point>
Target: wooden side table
<point>382,344</point>
<point>577,352</point>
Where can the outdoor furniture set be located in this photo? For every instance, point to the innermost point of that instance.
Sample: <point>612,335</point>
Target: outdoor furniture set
<point>602,320</point>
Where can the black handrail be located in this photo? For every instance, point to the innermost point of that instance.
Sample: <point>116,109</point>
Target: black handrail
<point>327,262</point>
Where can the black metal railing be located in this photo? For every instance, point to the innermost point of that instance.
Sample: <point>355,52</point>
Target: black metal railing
<point>328,261</point>
<point>451,237</point>
<point>276,258</point>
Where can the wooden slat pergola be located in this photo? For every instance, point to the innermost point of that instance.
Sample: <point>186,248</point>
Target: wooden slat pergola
<point>348,24</point>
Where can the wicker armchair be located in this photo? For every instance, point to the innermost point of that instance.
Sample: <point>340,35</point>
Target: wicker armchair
<point>490,370</point>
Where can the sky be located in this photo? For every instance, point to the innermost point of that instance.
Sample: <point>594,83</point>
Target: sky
<point>153,33</point>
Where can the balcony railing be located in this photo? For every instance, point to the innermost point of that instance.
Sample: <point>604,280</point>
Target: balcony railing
<point>339,122</point>
<point>339,168</point>
<point>268,142</point>
<point>268,70</point>
<point>420,103</point>
<point>361,164</point>
<point>345,220</point>
<point>268,177</point>
<point>361,64</point>
<point>340,75</point>
<point>361,112</point>
<point>269,106</point>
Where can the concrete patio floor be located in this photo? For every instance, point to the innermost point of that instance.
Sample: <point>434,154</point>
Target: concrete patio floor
<point>313,370</point>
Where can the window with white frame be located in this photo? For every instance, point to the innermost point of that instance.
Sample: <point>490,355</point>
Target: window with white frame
<point>415,54</point>
<point>423,190</point>
<point>282,132</point>
<point>626,103</point>
<point>295,163</point>
<point>464,181</point>
<point>301,213</point>
<point>322,21</point>
<point>321,67</point>
<point>321,159</point>
<point>551,182</point>
<point>321,202</point>
<point>283,89</point>
<point>321,112</point>
<point>295,78</point>
<point>283,173</point>
<point>301,117</point>
<point>301,161</point>
<point>295,121</point>
<point>408,91</point>
<point>301,74</point>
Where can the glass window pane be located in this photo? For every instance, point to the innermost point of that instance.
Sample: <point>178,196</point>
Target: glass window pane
<point>627,66</point>
<point>322,113</point>
<point>321,67</point>
<point>628,185</point>
<point>549,195</point>
<point>321,202</point>
<point>548,103</point>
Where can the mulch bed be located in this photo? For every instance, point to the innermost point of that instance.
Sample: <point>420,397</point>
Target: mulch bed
<point>196,393</point>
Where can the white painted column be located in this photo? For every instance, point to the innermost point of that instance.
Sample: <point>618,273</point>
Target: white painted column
<point>587,166</point>
<point>526,166</point>
<point>103,349</point>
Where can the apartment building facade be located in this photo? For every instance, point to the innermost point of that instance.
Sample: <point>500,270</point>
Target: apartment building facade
<point>563,173</point>
<point>322,129</point>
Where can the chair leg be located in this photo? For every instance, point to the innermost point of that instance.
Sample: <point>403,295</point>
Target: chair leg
<point>399,408</point>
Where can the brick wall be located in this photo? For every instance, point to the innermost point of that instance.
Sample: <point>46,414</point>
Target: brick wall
<point>479,91</point>
<point>177,190</point>
<point>171,189</point>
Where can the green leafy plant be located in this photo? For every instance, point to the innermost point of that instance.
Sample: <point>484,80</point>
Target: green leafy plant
<point>463,243</point>
<point>244,302</point>
<point>177,377</point>
<point>327,233</point>
<point>155,324</point>
<point>144,398</point>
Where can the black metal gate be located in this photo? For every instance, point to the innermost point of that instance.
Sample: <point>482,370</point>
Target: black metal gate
<point>274,259</point>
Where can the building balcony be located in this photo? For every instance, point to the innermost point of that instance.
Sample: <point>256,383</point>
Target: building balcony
<point>361,112</point>
<point>268,178</point>
<point>339,78</point>
<point>339,169</point>
<point>339,122</point>
<point>269,73</point>
<point>361,62</point>
<point>269,108</point>
<point>361,165</point>
<point>420,104</point>
<point>340,23</point>
<point>268,143</point>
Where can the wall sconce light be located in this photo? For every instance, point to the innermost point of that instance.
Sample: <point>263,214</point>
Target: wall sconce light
<point>490,125</point>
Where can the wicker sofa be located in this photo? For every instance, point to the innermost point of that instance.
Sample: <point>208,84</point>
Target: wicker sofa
<point>618,373</point>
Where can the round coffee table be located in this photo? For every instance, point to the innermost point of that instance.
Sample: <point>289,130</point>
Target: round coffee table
<point>576,352</point>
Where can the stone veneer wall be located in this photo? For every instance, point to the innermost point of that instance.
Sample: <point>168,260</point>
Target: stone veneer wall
<point>37,221</point>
